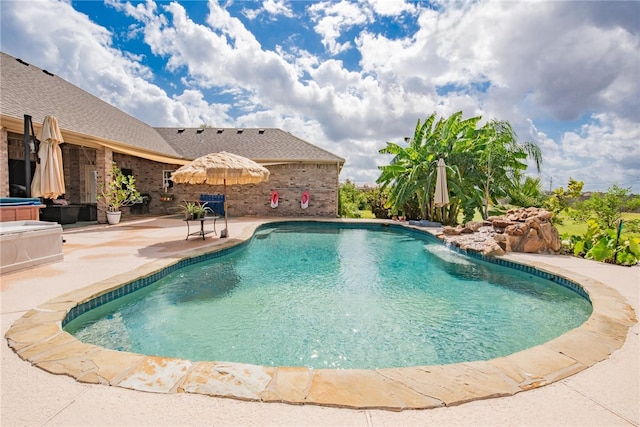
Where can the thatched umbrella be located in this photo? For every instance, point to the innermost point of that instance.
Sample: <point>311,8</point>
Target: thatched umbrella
<point>221,168</point>
<point>48,178</point>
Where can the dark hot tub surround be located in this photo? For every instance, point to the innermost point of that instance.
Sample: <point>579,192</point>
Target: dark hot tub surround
<point>60,211</point>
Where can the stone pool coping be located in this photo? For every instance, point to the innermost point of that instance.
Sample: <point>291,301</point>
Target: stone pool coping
<point>38,338</point>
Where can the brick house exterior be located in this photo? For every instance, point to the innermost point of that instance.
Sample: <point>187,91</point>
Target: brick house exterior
<point>96,133</point>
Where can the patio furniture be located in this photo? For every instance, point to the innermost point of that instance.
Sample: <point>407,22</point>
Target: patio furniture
<point>143,206</point>
<point>202,231</point>
<point>213,201</point>
<point>60,211</point>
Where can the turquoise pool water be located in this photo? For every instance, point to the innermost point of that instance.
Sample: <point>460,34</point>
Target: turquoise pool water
<point>330,297</point>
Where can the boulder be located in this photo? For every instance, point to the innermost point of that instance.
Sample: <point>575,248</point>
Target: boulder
<point>521,230</point>
<point>451,231</point>
<point>474,225</point>
<point>532,244</point>
<point>501,223</point>
<point>551,237</point>
<point>518,229</point>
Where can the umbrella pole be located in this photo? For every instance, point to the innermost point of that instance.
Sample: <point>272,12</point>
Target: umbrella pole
<point>225,233</point>
<point>27,155</point>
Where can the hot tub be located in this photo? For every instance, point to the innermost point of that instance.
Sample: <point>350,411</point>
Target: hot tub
<point>29,243</point>
<point>19,209</point>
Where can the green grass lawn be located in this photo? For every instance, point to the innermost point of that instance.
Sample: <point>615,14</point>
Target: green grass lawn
<point>573,228</point>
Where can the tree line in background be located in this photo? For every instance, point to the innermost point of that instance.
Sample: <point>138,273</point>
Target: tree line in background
<point>485,176</point>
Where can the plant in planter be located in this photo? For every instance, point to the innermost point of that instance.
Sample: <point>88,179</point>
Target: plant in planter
<point>166,197</point>
<point>118,193</point>
<point>194,210</point>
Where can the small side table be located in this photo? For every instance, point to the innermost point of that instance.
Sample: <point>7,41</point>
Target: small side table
<point>201,232</point>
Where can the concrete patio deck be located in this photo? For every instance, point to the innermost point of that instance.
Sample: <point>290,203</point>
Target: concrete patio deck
<point>605,394</point>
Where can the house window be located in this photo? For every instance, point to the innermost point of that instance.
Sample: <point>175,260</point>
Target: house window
<point>166,179</point>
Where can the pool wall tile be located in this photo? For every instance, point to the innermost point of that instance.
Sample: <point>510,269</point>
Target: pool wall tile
<point>143,282</point>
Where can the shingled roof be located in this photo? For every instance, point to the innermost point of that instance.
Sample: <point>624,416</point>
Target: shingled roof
<point>27,89</point>
<point>87,120</point>
<point>263,145</point>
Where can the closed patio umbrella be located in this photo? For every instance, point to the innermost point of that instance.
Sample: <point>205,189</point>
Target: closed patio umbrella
<point>48,178</point>
<point>441,197</point>
<point>221,168</point>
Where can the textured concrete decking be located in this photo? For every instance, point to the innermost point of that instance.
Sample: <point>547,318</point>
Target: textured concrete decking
<point>605,394</point>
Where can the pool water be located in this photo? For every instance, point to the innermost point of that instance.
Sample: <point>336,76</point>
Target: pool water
<point>332,297</point>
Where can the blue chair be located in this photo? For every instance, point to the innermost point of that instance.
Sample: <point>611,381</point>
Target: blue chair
<point>215,202</point>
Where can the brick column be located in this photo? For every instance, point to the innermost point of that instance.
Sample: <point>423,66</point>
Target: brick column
<point>104,159</point>
<point>4,162</point>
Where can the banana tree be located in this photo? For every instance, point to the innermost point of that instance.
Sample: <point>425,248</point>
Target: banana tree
<point>502,160</point>
<point>413,168</point>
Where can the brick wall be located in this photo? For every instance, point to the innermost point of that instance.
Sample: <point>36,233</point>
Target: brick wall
<point>243,200</point>
<point>4,161</point>
<point>290,180</point>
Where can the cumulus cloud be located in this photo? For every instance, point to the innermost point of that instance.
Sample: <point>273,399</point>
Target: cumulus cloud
<point>605,151</point>
<point>80,51</point>
<point>333,18</point>
<point>564,74</point>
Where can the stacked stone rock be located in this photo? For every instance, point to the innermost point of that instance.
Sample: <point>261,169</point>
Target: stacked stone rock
<point>527,230</point>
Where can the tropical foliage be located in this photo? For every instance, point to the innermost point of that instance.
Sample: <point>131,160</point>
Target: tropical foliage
<point>195,210</point>
<point>606,209</point>
<point>561,200</point>
<point>526,193</point>
<point>350,201</point>
<point>605,245</point>
<point>120,191</point>
<point>482,165</point>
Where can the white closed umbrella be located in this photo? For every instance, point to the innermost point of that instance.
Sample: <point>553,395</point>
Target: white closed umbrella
<point>441,197</point>
<point>48,178</point>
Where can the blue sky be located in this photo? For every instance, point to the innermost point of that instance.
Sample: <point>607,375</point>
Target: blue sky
<point>350,76</point>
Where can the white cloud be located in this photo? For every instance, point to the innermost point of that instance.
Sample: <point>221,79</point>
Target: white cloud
<point>333,18</point>
<point>536,64</point>
<point>605,151</point>
<point>274,7</point>
<point>391,7</point>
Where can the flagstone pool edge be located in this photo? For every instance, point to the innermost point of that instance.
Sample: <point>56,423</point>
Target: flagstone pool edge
<point>38,338</point>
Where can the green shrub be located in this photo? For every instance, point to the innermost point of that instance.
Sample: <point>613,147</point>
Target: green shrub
<point>604,245</point>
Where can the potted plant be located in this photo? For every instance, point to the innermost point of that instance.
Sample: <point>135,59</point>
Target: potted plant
<point>194,210</point>
<point>118,193</point>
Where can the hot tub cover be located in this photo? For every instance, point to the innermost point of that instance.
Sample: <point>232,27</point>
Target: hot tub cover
<point>19,201</point>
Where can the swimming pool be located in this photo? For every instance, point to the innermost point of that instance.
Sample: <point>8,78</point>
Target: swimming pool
<point>37,337</point>
<point>337,296</point>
